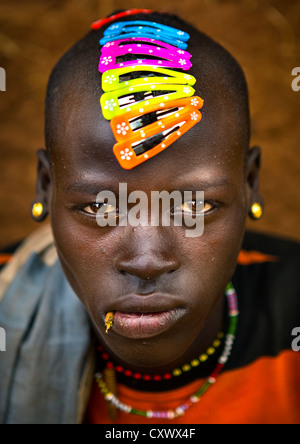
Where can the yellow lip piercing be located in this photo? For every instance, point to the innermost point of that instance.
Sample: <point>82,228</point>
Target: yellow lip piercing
<point>109,320</point>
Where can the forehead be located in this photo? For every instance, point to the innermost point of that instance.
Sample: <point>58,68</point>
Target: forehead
<point>84,147</point>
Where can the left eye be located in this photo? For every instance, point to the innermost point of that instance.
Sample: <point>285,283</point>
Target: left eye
<point>93,208</point>
<point>194,207</point>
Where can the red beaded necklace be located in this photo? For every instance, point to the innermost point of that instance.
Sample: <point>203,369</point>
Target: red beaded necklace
<point>166,376</point>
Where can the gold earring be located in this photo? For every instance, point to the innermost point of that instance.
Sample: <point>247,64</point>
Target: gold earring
<point>257,211</point>
<point>37,210</point>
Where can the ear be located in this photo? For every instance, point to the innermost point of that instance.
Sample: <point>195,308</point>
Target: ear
<point>40,205</point>
<point>252,177</point>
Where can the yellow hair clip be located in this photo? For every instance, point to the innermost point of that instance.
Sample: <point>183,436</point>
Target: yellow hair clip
<point>140,97</point>
<point>143,75</point>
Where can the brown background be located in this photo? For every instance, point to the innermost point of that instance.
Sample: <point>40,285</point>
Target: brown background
<point>264,36</point>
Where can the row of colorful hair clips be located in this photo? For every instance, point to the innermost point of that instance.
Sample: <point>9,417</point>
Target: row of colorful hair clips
<point>149,105</point>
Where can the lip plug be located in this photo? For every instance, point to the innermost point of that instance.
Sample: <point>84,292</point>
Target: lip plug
<point>109,320</point>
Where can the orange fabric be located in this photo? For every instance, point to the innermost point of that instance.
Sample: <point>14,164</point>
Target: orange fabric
<point>254,257</point>
<point>4,258</point>
<point>264,392</point>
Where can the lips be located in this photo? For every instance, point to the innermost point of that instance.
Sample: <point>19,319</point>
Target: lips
<point>145,325</point>
<point>146,316</point>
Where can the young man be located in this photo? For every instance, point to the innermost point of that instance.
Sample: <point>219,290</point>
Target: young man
<point>169,334</point>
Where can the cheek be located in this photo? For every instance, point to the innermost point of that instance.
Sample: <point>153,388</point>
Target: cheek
<point>87,257</point>
<point>211,260</point>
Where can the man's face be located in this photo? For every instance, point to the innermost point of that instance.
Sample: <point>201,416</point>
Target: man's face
<point>163,285</point>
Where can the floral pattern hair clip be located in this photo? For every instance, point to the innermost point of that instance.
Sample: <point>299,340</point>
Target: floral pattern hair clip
<point>151,30</point>
<point>141,145</point>
<point>140,97</point>
<point>143,75</point>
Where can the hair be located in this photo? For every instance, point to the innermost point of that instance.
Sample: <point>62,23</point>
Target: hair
<point>220,79</point>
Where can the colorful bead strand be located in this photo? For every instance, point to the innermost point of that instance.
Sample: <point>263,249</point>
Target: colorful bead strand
<point>233,314</point>
<point>175,373</point>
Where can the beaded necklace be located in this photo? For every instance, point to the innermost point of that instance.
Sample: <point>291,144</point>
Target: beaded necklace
<point>180,411</point>
<point>166,376</point>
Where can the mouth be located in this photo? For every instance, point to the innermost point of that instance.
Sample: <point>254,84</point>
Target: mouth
<point>141,317</point>
<point>145,325</point>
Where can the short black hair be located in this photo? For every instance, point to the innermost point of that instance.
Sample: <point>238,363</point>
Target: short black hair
<point>219,76</point>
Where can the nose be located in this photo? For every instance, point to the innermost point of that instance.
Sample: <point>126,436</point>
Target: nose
<point>148,254</point>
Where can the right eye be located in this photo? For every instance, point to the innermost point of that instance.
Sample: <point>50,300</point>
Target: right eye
<point>93,208</point>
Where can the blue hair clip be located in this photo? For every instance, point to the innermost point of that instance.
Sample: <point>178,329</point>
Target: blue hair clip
<point>120,27</point>
<point>135,35</point>
<point>150,30</point>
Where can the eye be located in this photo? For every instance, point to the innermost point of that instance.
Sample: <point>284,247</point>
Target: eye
<point>194,207</point>
<point>93,208</point>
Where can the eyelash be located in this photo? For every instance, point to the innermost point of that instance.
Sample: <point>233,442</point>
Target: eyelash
<point>215,207</point>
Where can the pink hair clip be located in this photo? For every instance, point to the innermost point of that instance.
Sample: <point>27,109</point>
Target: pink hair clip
<point>136,45</point>
<point>165,59</point>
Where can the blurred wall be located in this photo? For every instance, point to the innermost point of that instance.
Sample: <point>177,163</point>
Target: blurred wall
<point>264,35</point>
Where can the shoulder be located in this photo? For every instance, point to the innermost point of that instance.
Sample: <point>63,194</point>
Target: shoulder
<point>14,257</point>
<point>270,265</point>
<point>41,241</point>
<point>7,253</point>
<point>272,245</point>
<point>269,270</point>
<point>267,281</point>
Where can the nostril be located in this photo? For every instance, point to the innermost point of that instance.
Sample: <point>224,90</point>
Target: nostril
<point>146,267</point>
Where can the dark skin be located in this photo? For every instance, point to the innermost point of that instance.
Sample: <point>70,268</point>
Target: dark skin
<point>103,265</point>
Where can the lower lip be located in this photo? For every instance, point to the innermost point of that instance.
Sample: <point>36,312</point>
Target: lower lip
<point>145,325</point>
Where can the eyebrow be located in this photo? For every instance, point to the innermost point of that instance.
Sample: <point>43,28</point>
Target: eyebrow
<point>95,188</point>
<point>88,188</point>
<point>204,185</point>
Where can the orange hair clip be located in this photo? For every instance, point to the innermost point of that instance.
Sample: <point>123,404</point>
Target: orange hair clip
<point>127,126</point>
<point>135,147</point>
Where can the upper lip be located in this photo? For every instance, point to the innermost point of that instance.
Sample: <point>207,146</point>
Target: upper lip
<point>151,303</point>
